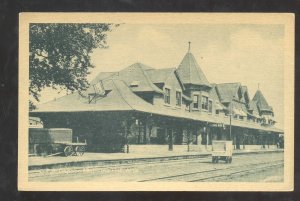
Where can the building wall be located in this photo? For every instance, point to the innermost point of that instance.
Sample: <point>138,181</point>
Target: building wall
<point>173,85</point>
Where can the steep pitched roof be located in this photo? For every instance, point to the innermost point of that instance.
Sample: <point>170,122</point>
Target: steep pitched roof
<point>253,107</point>
<point>244,89</point>
<point>246,94</point>
<point>213,93</point>
<point>159,75</point>
<point>262,103</point>
<point>227,91</point>
<point>121,98</point>
<point>134,73</point>
<point>190,72</point>
<point>102,76</point>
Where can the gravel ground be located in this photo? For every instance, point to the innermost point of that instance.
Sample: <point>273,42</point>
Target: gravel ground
<point>147,171</point>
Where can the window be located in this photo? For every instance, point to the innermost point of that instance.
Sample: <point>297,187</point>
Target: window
<point>135,83</point>
<point>99,88</point>
<point>195,101</point>
<point>204,103</point>
<point>241,117</point>
<point>178,98</point>
<point>210,106</point>
<point>217,112</point>
<point>167,96</point>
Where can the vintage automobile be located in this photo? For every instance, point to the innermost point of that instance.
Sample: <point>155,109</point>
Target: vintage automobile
<point>221,150</point>
<point>54,141</point>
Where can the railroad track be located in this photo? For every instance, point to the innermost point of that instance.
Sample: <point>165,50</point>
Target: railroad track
<point>219,174</point>
<point>240,173</point>
<point>107,168</point>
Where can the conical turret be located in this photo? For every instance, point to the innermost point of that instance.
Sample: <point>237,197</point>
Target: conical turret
<point>190,71</point>
<point>261,102</point>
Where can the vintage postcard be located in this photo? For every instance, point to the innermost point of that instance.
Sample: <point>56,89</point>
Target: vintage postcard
<point>156,102</point>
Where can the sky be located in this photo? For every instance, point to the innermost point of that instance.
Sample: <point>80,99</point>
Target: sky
<point>247,53</point>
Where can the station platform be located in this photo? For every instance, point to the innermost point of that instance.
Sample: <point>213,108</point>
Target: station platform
<point>96,159</point>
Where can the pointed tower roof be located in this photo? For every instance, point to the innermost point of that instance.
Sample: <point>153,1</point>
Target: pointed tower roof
<point>190,72</point>
<point>262,103</point>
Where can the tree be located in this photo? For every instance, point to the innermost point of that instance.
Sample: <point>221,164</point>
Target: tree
<point>59,55</point>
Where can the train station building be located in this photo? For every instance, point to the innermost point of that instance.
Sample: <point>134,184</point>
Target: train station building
<point>142,109</point>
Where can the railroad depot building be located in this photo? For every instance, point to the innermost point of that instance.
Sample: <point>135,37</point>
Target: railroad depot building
<point>142,109</point>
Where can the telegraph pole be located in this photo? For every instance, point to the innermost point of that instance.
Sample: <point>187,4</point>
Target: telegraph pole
<point>230,116</point>
<point>230,127</point>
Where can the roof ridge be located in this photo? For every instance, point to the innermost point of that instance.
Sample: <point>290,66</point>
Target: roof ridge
<point>160,69</point>
<point>189,59</point>
<point>198,68</point>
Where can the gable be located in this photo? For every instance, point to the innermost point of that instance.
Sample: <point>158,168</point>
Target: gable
<point>213,93</point>
<point>227,91</point>
<point>173,81</point>
<point>246,98</point>
<point>239,95</point>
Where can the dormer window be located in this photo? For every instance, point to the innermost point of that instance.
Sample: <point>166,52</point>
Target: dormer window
<point>167,95</point>
<point>99,88</point>
<point>178,98</point>
<point>195,101</point>
<point>204,103</point>
<point>135,83</point>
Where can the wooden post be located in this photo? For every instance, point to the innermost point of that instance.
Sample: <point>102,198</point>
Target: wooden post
<point>207,137</point>
<point>230,125</point>
<point>139,130</point>
<point>145,131</point>
<point>171,140</point>
<point>196,142</point>
<point>189,131</point>
<point>126,136</point>
<point>150,133</point>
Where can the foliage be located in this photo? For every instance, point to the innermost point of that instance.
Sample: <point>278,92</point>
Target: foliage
<point>60,55</point>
